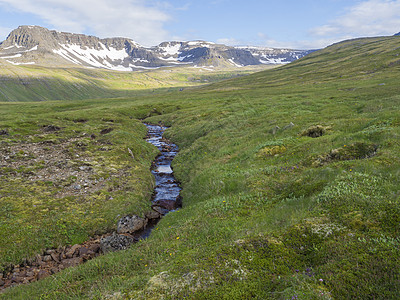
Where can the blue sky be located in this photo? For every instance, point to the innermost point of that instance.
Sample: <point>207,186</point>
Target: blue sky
<point>303,24</point>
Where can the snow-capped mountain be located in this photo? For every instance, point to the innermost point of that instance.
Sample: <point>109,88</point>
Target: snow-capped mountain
<point>37,45</point>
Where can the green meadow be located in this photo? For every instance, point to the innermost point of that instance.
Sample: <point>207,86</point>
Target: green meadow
<point>290,182</point>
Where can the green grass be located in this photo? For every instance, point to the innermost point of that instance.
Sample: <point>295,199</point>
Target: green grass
<point>35,83</point>
<point>263,215</point>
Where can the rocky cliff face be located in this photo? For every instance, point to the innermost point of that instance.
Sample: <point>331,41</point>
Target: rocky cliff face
<point>38,45</point>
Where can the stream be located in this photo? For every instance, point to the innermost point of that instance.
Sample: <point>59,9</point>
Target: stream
<point>165,198</point>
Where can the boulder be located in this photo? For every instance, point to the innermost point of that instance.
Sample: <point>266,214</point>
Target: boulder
<point>72,262</point>
<point>160,210</point>
<point>166,204</point>
<point>131,224</point>
<point>151,215</point>
<point>116,242</point>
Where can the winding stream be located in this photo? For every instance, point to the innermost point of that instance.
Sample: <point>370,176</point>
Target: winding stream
<point>166,193</point>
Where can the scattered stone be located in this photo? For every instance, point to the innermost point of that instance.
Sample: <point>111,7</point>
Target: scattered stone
<point>55,257</point>
<point>151,215</point>
<point>275,130</point>
<point>3,132</point>
<point>30,274</point>
<point>116,242</point>
<point>47,258</point>
<point>51,128</point>
<point>166,204</point>
<point>160,210</point>
<point>70,253</point>
<point>107,130</point>
<point>131,224</point>
<point>94,247</point>
<point>72,262</point>
<point>288,126</point>
<point>83,251</point>
<point>42,274</point>
<point>93,136</point>
<point>80,121</point>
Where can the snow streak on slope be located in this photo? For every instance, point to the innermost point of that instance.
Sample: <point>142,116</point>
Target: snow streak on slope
<point>99,58</point>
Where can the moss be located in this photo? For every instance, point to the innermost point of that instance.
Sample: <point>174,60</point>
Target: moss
<point>271,151</point>
<point>358,150</point>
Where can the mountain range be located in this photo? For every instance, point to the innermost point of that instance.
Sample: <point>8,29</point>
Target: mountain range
<point>35,45</point>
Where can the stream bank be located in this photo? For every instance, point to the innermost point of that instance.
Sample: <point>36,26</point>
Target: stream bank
<point>130,229</point>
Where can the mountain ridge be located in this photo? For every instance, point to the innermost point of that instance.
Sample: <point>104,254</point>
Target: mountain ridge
<point>41,46</point>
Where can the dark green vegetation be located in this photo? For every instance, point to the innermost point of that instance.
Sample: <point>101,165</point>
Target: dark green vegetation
<point>269,212</point>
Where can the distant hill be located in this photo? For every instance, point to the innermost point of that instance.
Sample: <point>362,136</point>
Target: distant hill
<point>34,45</point>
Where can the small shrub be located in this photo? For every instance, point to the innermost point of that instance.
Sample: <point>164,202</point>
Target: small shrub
<point>315,131</point>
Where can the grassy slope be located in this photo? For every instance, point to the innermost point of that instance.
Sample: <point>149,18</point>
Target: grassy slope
<point>35,83</point>
<point>270,213</point>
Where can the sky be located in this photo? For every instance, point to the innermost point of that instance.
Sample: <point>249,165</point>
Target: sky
<point>306,24</point>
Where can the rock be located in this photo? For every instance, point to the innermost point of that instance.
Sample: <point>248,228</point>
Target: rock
<point>160,210</point>
<point>3,132</point>
<point>72,262</point>
<point>151,215</point>
<point>166,204</point>
<point>42,274</point>
<point>2,282</point>
<point>107,130</point>
<point>131,224</point>
<point>83,251</point>
<point>94,247</point>
<point>30,274</point>
<point>116,242</point>
<point>275,130</point>
<point>47,258</point>
<point>50,128</point>
<point>55,257</point>
<point>288,126</point>
<point>70,253</point>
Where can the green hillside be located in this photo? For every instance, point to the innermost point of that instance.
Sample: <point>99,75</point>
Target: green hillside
<point>290,185</point>
<point>35,83</point>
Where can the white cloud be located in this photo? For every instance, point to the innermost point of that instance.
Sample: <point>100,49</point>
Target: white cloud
<point>141,20</point>
<point>368,18</point>
<point>229,41</point>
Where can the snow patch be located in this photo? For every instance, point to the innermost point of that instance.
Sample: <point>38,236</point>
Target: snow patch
<point>99,58</point>
<point>12,56</point>
<point>17,64</point>
<point>235,64</point>
<point>274,61</point>
<point>171,50</point>
<point>33,49</point>
<point>141,67</point>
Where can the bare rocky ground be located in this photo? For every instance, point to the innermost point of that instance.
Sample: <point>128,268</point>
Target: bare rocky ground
<point>55,162</point>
